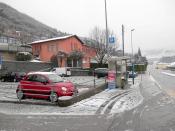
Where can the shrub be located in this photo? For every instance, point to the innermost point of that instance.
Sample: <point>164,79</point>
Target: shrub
<point>23,56</point>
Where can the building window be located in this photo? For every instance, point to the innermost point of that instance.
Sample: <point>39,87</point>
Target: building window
<point>72,48</point>
<point>52,48</point>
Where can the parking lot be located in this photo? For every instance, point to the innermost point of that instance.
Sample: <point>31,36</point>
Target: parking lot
<point>83,83</point>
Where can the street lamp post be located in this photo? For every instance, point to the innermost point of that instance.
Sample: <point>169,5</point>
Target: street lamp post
<point>132,58</point>
<point>106,20</point>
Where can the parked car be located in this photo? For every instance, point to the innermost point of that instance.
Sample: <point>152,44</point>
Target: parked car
<point>13,76</point>
<point>44,85</point>
<point>101,72</point>
<point>62,71</point>
<point>131,75</point>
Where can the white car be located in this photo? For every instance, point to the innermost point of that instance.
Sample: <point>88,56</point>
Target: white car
<point>62,71</point>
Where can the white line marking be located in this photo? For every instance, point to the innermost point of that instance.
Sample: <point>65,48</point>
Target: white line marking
<point>152,78</point>
<point>169,74</point>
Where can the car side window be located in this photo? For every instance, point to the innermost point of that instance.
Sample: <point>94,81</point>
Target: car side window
<point>40,78</point>
<point>30,78</point>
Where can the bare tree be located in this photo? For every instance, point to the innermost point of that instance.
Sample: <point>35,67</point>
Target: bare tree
<point>103,51</point>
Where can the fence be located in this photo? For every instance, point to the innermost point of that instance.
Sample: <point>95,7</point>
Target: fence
<point>23,66</point>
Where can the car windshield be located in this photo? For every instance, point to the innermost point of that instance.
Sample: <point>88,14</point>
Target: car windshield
<point>54,78</point>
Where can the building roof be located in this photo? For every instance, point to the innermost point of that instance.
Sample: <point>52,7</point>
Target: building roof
<point>57,38</point>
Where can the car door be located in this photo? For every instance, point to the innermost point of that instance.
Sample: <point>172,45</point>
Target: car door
<point>42,86</point>
<point>29,85</point>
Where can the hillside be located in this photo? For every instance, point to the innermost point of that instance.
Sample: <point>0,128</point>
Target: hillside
<point>30,29</point>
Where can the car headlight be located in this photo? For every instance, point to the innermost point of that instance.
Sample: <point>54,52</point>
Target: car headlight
<point>64,89</point>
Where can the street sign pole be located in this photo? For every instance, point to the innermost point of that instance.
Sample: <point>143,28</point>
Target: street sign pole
<point>133,73</point>
<point>0,62</point>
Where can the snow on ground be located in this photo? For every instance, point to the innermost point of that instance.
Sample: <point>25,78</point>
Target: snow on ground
<point>85,80</point>
<point>128,101</point>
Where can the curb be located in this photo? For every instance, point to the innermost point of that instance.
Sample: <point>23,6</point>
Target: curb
<point>28,102</point>
<point>89,93</point>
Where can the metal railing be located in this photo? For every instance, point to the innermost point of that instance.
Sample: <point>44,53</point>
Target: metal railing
<point>14,48</point>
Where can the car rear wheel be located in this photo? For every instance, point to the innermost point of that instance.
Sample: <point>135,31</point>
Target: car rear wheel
<point>53,97</point>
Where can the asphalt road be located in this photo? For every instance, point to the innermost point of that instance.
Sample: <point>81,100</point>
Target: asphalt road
<point>166,82</point>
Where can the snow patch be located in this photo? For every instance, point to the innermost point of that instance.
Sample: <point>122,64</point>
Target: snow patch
<point>62,98</point>
<point>128,102</point>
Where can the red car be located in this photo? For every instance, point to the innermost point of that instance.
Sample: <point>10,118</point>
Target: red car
<point>44,85</point>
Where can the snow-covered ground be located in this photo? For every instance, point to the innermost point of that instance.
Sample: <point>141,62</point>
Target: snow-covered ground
<point>85,80</point>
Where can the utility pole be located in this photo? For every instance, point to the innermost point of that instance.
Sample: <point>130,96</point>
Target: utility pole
<point>133,75</point>
<point>123,39</point>
<point>106,20</point>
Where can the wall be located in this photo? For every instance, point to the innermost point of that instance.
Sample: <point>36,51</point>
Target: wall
<point>23,66</point>
<point>8,55</point>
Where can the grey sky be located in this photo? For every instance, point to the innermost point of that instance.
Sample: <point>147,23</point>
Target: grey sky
<point>153,20</point>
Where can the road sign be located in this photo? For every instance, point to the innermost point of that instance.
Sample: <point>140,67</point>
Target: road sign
<point>111,40</point>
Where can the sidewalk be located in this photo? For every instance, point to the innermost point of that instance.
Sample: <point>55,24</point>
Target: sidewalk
<point>149,87</point>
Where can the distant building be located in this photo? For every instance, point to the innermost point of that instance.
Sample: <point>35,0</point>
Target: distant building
<point>9,46</point>
<point>162,65</point>
<point>70,51</point>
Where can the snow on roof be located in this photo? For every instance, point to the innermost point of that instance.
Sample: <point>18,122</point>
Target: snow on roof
<point>25,53</point>
<point>35,60</point>
<point>57,38</point>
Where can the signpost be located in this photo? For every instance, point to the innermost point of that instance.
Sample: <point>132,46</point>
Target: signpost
<point>0,62</point>
<point>132,61</point>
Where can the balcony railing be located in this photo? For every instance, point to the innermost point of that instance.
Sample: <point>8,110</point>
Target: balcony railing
<point>14,47</point>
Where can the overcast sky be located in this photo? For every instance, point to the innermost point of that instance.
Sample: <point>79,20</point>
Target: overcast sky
<point>153,20</point>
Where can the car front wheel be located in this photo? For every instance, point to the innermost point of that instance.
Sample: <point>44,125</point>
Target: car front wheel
<point>53,97</point>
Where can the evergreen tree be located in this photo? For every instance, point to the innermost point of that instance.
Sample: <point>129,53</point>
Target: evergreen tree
<point>139,52</point>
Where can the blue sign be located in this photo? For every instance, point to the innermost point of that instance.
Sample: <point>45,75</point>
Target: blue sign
<point>112,40</point>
